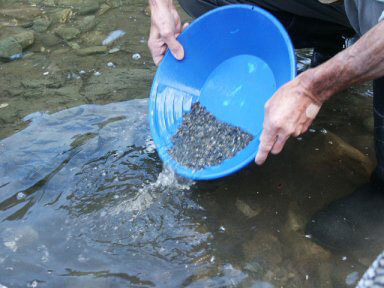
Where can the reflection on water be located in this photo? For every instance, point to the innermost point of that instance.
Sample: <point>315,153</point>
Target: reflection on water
<point>86,202</point>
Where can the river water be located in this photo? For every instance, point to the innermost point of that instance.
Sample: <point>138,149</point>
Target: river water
<point>86,202</point>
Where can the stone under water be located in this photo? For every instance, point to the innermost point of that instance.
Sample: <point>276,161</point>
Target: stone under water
<point>203,141</point>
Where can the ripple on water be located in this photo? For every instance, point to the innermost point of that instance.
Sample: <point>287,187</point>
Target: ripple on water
<point>98,202</point>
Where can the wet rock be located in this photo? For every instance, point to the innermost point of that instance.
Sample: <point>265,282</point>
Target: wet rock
<point>344,149</point>
<point>50,3</point>
<point>73,45</point>
<point>25,39</point>
<point>104,8</point>
<point>147,11</point>
<point>67,33</point>
<point>61,16</point>
<point>302,251</point>
<point>90,8</point>
<point>14,45</point>
<point>295,222</point>
<point>49,39</point>
<point>41,24</point>
<point>369,124</point>
<point>94,38</point>
<point>91,50</point>
<point>114,3</point>
<point>9,47</point>
<point>246,209</point>
<point>82,7</point>
<point>23,13</point>
<point>265,249</point>
<point>87,23</point>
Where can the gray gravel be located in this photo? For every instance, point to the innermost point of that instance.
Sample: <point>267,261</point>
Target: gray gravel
<point>203,141</point>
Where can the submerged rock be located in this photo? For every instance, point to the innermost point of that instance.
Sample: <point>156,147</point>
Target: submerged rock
<point>67,33</point>
<point>91,50</point>
<point>87,23</point>
<point>41,24</point>
<point>14,45</point>
<point>23,13</point>
<point>25,39</point>
<point>247,210</point>
<point>82,7</point>
<point>61,16</point>
<point>9,47</point>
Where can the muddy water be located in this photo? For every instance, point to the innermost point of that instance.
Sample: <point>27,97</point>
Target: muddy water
<point>85,201</point>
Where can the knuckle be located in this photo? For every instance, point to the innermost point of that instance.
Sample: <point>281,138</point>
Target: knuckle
<point>167,34</point>
<point>275,123</point>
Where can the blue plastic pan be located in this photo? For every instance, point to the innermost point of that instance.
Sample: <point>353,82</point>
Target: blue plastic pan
<point>236,57</point>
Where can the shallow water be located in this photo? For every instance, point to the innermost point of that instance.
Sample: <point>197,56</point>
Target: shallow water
<point>86,202</point>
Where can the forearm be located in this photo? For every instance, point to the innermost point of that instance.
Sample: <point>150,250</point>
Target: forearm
<point>361,62</point>
<point>160,3</point>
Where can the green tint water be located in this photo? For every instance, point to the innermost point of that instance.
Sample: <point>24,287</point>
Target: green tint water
<point>85,201</point>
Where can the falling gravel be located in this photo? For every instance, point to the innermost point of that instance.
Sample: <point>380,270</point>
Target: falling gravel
<point>203,140</point>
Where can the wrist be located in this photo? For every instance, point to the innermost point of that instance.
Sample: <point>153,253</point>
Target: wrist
<point>322,82</point>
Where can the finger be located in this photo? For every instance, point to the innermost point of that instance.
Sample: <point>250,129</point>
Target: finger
<point>186,24</point>
<point>298,131</point>
<point>279,144</point>
<point>158,59</point>
<point>158,54</point>
<point>175,47</point>
<point>267,140</point>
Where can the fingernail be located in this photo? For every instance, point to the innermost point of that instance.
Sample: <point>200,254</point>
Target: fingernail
<point>179,54</point>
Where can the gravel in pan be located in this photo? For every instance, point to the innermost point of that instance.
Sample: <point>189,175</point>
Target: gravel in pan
<point>203,140</point>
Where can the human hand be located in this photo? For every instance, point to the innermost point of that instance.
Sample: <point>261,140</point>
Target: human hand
<point>289,112</point>
<point>165,27</point>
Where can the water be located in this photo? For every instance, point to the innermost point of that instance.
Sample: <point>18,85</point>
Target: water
<point>86,202</point>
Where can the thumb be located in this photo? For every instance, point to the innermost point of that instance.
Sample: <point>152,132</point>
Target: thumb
<point>186,24</point>
<point>176,48</point>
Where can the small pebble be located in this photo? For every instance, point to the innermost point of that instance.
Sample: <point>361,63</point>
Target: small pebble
<point>110,64</point>
<point>323,131</point>
<point>114,50</point>
<point>20,196</point>
<point>97,73</point>
<point>344,258</point>
<point>312,130</point>
<point>309,236</point>
<point>45,73</point>
<point>222,228</point>
<point>136,56</point>
<point>32,284</point>
<point>352,278</point>
<point>3,105</point>
<point>82,72</point>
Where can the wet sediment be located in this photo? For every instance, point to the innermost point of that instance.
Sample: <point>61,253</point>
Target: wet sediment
<point>203,141</point>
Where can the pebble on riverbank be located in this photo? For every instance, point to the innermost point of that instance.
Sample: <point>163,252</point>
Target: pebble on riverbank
<point>203,140</point>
